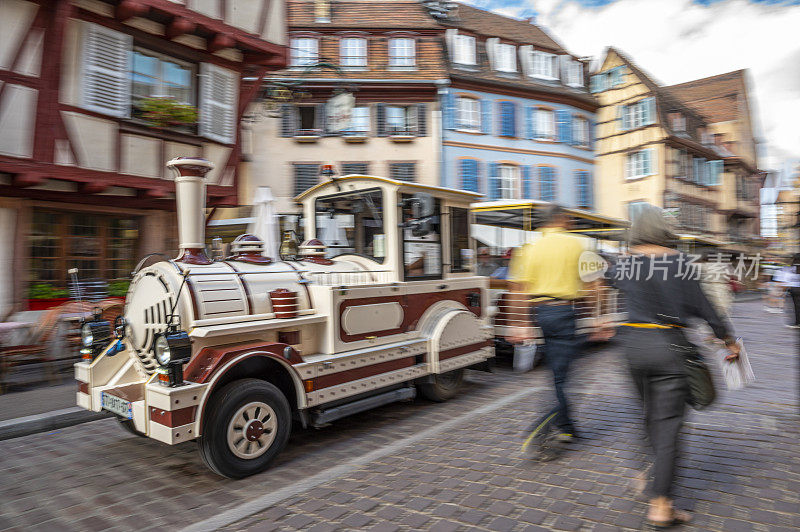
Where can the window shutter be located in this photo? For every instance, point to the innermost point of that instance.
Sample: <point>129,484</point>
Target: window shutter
<point>717,167</point>
<point>380,119</point>
<point>486,116</point>
<point>591,134</point>
<point>218,95</point>
<point>422,120</point>
<point>491,52</point>
<point>494,181</point>
<point>563,62</point>
<point>449,110</point>
<point>288,121</point>
<point>562,124</point>
<point>650,110</point>
<point>450,40</point>
<point>526,60</point>
<point>529,122</point>
<point>469,175</point>
<point>321,118</point>
<point>621,117</point>
<point>527,182</point>
<point>106,66</point>
<point>507,119</point>
<point>305,177</point>
<point>593,83</point>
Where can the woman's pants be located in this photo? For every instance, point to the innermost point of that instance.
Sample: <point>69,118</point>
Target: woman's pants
<point>794,292</point>
<point>661,382</point>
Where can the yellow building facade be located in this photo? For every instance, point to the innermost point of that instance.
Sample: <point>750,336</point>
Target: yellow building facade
<point>673,147</point>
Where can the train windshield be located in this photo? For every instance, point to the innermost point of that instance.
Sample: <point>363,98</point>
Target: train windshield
<point>352,223</point>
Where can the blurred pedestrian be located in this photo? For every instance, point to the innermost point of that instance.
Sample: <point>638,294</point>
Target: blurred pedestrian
<point>548,272</point>
<point>661,296</point>
<point>789,279</point>
<point>772,290</point>
<point>716,274</point>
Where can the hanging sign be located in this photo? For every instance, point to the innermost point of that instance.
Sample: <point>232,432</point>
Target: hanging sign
<point>340,111</point>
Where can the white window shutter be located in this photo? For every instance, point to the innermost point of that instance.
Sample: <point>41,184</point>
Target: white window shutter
<point>491,51</point>
<point>106,84</point>
<point>218,99</point>
<point>526,60</point>
<point>450,39</point>
<point>651,161</point>
<point>564,61</point>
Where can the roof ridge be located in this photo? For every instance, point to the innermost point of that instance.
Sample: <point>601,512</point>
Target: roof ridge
<point>733,73</point>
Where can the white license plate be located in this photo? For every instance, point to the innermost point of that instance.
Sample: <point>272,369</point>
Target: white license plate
<point>114,404</point>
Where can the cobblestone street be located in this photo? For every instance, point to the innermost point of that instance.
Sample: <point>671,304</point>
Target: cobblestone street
<point>450,466</point>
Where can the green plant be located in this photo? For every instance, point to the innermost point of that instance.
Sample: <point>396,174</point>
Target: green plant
<point>167,111</point>
<point>118,288</point>
<point>46,291</point>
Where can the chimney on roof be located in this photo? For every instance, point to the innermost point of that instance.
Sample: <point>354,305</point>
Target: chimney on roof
<point>322,10</point>
<point>440,9</point>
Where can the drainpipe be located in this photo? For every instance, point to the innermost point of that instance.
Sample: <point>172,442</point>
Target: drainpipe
<point>444,85</point>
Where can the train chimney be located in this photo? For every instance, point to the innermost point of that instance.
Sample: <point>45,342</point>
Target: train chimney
<point>190,195</point>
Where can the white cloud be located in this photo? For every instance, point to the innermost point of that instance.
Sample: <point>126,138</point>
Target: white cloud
<point>679,40</point>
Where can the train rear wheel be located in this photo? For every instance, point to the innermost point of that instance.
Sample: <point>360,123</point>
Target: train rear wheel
<point>443,386</point>
<point>247,424</point>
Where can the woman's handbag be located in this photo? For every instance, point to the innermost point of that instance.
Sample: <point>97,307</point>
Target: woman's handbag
<point>702,391</point>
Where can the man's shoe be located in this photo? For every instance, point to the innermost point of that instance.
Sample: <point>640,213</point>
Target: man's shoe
<point>565,437</point>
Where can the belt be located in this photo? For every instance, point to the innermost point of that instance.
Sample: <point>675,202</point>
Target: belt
<point>651,326</point>
<point>551,301</point>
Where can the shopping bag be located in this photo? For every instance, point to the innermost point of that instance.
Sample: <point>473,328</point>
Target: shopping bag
<point>739,373</point>
<point>524,356</point>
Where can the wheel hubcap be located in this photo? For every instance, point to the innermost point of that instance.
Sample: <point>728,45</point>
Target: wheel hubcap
<point>252,430</point>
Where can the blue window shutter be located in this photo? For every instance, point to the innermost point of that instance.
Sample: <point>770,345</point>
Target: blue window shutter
<point>650,110</point>
<point>569,125</point>
<point>507,119</point>
<point>717,167</point>
<point>467,173</point>
<point>593,83</point>
<point>561,125</point>
<point>591,134</point>
<point>528,122</point>
<point>527,182</point>
<point>494,181</point>
<point>449,111</point>
<point>486,116</point>
<point>513,112</point>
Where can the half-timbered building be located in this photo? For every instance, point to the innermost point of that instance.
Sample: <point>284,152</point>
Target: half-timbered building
<point>84,132</point>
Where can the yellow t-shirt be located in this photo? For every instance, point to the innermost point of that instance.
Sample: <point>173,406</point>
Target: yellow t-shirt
<point>549,266</point>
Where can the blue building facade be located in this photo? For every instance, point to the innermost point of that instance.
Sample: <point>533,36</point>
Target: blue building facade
<point>517,148</point>
<point>517,118</point>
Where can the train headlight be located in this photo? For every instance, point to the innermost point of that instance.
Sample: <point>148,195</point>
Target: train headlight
<point>172,351</point>
<point>95,335</point>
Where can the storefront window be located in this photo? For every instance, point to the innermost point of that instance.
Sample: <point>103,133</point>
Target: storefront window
<point>101,247</point>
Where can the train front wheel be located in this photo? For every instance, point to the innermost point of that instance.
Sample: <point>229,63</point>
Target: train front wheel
<point>443,386</point>
<point>248,423</point>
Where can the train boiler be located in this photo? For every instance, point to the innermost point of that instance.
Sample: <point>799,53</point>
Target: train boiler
<point>380,303</point>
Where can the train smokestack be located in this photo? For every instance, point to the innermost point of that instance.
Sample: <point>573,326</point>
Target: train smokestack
<point>190,196</point>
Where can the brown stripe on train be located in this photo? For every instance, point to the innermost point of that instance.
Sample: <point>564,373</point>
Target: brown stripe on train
<point>173,418</point>
<point>463,350</point>
<point>83,387</point>
<point>350,375</point>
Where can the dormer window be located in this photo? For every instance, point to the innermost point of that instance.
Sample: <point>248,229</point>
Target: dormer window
<point>353,52</point>
<point>678,122</point>
<point>464,53</point>
<point>545,65</point>
<point>305,51</point>
<point>573,72</point>
<point>506,58</point>
<point>402,52</point>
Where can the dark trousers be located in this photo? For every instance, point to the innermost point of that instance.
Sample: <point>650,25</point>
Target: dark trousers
<point>560,348</point>
<point>660,379</point>
<point>794,293</point>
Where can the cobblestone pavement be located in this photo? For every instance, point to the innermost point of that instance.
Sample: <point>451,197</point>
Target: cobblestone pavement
<point>451,466</point>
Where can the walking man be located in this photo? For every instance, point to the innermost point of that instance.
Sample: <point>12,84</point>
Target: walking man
<point>548,271</point>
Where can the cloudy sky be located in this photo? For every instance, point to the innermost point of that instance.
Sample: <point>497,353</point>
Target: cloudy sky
<point>680,40</point>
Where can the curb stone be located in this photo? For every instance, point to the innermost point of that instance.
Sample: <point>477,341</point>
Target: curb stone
<point>57,419</point>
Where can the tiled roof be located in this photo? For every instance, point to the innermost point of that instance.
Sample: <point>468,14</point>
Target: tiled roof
<point>716,97</point>
<point>363,14</point>
<point>494,25</point>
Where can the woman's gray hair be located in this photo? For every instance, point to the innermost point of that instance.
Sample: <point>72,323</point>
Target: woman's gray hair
<point>651,227</point>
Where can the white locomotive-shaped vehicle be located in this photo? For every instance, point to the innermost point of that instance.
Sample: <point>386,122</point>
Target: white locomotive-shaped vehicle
<point>382,301</point>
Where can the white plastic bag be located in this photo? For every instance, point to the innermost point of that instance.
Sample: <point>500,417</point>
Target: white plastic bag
<point>524,357</point>
<point>739,373</point>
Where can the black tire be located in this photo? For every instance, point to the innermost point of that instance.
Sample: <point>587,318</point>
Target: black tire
<point>227,404</point>
<point>443,386</point>
<point>127,424</point>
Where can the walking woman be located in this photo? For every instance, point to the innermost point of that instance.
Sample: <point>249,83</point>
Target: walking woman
<point>661,297</point>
